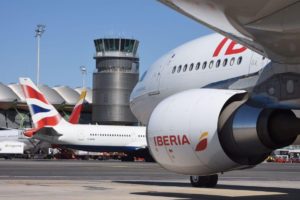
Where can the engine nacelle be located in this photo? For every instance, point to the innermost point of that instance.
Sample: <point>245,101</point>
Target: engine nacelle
<point>206,131</point>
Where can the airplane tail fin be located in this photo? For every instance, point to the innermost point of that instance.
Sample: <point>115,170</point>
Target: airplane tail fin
<point>75,115</point>
<point>42,112</point>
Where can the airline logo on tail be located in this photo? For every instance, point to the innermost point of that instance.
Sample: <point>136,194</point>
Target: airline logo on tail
<point>42,112</point>
<point>74,117</point>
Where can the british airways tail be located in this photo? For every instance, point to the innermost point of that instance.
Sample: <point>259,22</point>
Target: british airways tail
<point>42,112</point>
<point>74,117</point>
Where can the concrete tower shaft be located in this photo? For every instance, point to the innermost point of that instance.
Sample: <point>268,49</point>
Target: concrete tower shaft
<point>117,72</point>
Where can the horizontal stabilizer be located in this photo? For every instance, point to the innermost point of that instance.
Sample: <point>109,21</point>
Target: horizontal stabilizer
<point>46,133</point>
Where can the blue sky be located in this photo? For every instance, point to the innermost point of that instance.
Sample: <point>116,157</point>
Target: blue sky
<point>71,27</point>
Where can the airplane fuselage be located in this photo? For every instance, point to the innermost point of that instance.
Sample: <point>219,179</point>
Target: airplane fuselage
<point>204,62</point>
<point>98,137</point>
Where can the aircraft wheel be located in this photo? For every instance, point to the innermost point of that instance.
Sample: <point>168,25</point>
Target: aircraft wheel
<point>212,182</point>
<point>204,181</point>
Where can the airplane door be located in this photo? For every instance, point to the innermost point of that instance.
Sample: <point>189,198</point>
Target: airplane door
<point>81,136</point>
<point>133,136</point>
<point>256,63</point>
<point>158,73</point>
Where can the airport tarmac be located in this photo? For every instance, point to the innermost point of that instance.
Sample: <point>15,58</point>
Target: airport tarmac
<point>50,179</point>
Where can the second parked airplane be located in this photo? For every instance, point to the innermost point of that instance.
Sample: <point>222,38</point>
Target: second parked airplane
<point>51,127</point>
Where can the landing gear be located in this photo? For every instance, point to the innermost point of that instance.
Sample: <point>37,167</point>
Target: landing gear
<point>204,181</point>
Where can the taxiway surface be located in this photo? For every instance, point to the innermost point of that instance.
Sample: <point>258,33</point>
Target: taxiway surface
<point>49,179</point>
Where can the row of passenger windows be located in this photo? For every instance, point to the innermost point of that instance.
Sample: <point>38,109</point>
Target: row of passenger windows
<point>113,135</point>
<point>141,136</point>
<point>209,65</point>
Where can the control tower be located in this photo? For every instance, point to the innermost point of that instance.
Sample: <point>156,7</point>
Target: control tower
<point>117,72</point>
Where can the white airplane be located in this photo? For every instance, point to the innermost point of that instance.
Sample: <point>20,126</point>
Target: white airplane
<point>51,127</point>
<point>213,105</point>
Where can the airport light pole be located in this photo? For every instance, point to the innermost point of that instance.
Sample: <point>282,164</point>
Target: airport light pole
<point>83,72</point>
<point>38,34</point>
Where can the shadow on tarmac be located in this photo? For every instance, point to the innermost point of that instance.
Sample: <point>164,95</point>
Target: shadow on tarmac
<point>287,193</point>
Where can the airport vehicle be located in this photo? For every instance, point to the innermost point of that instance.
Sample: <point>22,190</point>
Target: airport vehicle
<point>294,155</point>
<point>281,155</point>
<point>12,142</point>
<point>51,127</point>
<point>224,101</point>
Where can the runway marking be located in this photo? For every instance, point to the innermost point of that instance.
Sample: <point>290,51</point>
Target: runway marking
<point>120,166</point>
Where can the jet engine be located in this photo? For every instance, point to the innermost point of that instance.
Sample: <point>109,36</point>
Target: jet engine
<point>207,131</point>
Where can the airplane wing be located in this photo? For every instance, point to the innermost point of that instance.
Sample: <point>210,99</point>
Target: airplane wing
<point>269,27</point>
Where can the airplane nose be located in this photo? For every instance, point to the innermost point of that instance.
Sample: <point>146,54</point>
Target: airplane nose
<point>136,101</point>
<point>133,94</point>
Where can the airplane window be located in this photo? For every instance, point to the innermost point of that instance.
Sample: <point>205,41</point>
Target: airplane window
<point>239,61</point>
<point>204,65</point>
<point>232,61</point>
<point>218,63</point>
<point>211,64</point>
<point>225,62</point>
<point>185,67</point>
<point>174,69</point>
<point>191,66</point>
<point>179,69</point>
<point>198,66</point>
